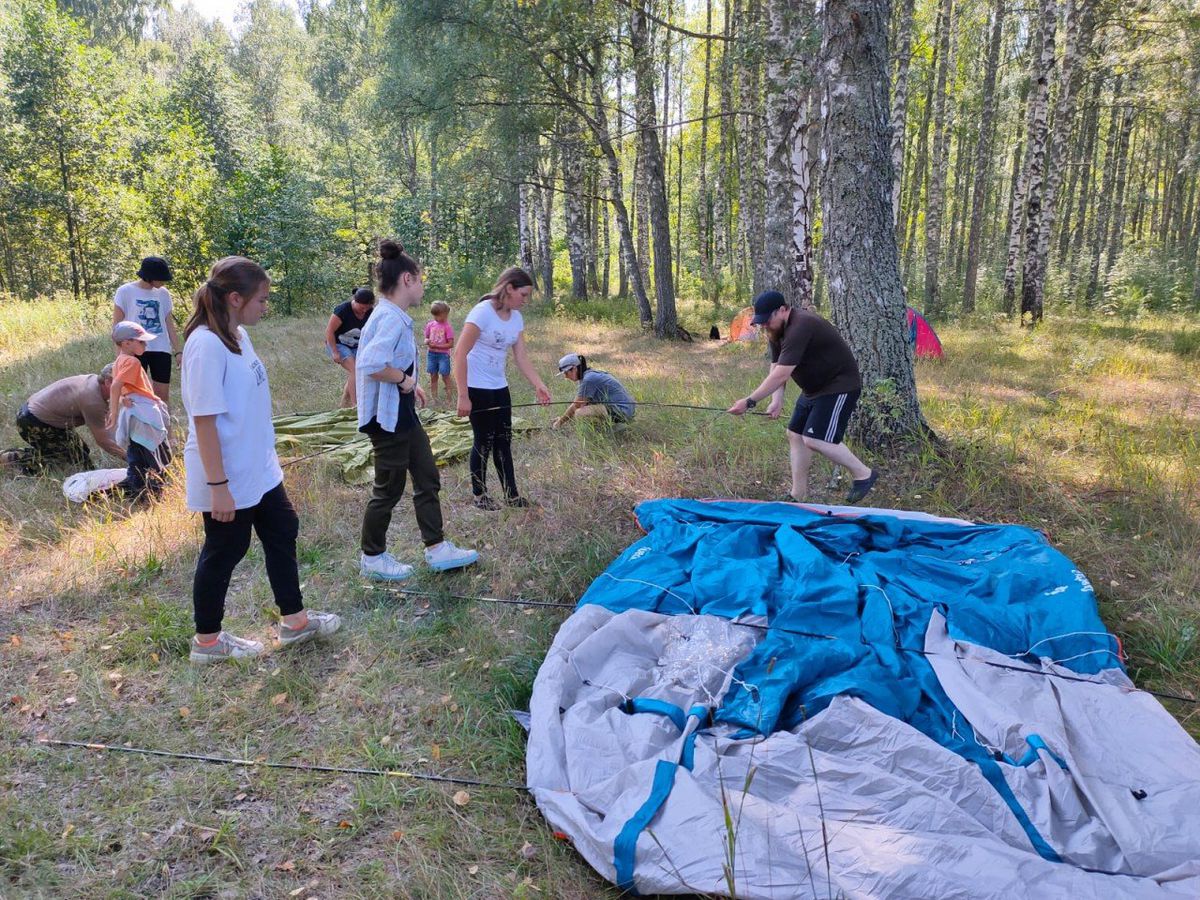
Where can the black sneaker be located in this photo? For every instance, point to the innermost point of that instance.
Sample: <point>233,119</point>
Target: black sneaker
<point>861,488</point>
<point>483,501</point>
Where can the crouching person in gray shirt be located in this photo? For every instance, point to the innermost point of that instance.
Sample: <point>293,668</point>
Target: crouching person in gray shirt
<point>599,397</point>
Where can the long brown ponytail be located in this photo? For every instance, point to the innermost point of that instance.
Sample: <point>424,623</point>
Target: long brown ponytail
<point>233,274</point>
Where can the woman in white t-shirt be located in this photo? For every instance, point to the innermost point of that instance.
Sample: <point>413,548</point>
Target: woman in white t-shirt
<point>492,326</point>
<point>233,475</point>
<point>147,302</point>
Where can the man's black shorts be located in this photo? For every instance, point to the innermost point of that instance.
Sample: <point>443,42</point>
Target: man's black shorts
<point>823,418</point>
<point>158,364</point>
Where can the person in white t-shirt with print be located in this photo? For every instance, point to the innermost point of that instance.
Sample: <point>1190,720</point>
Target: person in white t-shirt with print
<point>148,303</point>
<point>233,475</point>
<point>492,327</point>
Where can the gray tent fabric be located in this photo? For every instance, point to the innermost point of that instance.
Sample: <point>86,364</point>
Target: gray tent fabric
<point>855,803</point>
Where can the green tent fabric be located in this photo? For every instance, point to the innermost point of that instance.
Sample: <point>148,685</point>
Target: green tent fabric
<point>336,435</point>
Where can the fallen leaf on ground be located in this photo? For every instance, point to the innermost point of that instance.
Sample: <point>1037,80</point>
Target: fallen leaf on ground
<point>15,641</point>
<point>68,830</point>
<point>462,798</point>
<point>279,699</point>
<point>436,752</point>
<point>397,835</point>
<point>184,712</point>
<point>288,866</point>
<point>528,851</point>
<point>344,824</point>
<point>473,870</point>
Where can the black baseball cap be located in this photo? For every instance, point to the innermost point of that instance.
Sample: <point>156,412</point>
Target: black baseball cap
<point>765,304</point>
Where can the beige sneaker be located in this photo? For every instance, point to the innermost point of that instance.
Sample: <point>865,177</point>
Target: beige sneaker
<point>227,646</point>
<point>320,624</point>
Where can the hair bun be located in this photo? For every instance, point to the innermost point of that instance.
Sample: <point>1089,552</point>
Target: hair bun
<point>389,249</point>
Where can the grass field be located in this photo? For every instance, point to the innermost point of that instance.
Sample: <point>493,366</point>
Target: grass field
<point>1085,430</point>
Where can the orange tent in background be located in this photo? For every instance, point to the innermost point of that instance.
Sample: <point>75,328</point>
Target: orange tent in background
<point>740,328</point>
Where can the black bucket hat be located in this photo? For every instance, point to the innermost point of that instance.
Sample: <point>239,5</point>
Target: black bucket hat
<point>154,268</point>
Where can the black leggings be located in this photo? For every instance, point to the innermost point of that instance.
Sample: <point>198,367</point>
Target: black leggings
<point>225,543</point>
<point>492,427</point>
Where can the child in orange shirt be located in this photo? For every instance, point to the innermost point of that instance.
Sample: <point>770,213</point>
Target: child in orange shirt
<point>146,422</point>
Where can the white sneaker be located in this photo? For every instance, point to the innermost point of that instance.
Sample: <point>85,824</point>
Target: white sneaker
<point>227,647</point>
<point>320,625</point>
<point>445,556</point>
<point>383,567</point>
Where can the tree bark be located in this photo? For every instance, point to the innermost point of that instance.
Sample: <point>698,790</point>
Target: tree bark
<point>544,205</point>
<point>1078,37</point>
<point>1036,186</point>
<point>1016,229</point>
<point>904,29</point>
<point>935,204</point>
<point>704,210</point>
<point>917,179</point>
<point>1077,194</point>
<point>784,98</point>
<point>1117,236</point>
<point>722,212</point>
<point>599,122</point>
<point>574,220</point>
<point>983,157</point>
<point>861,260</point>
<point>1099,229</point>
<point>665,320</point>
<point>802,163</point>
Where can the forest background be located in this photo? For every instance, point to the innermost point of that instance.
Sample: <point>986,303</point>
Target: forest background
<point>1047,154</point>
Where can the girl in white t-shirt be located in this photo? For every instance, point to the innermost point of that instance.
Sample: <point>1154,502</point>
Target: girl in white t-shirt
<point>233,475</point>
<point>491,328</point>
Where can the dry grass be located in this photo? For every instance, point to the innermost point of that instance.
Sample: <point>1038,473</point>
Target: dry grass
<point>1088,432</point>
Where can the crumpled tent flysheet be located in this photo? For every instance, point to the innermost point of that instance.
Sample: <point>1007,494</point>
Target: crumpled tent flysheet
<point>337,432</point>
<point>882,704</point>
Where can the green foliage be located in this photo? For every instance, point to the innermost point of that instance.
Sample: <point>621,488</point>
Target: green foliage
<point>1146,279</point>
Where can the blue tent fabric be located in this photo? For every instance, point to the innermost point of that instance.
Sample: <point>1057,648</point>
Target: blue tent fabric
<point>867,586</point>
<point>803,633</point>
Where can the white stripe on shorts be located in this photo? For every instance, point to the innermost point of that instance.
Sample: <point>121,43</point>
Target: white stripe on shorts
<point>831,431</point>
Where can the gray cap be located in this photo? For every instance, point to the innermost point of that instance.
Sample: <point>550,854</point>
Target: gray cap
<point>130,331</point>
<point>570,361</point>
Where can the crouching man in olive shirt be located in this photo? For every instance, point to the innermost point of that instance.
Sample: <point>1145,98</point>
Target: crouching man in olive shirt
<point>809,350</point>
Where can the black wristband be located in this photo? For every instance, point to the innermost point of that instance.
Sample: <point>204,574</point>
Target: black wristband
<point>751,403</point>
<point>217,483</point>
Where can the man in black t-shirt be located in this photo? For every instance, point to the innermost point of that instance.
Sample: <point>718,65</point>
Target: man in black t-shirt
<point>809,350</point>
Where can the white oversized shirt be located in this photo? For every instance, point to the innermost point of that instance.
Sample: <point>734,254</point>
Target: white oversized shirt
<point>486,361</point>
<point>150,308</point>
<point>234,388</point>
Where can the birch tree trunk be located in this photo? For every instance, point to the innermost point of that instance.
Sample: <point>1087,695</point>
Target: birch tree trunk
<point>1017,215</point>
<point>1075,211</point>
<point>574,219</point>
<point>900,102</point>
<point>722,212</point>
<point>937,168</point>
<point>1036,188</point>
<point>615,186</point>
<point>861,260</point>
<point>917,180</point>
<point>983,157</point>
<point>802,162</point>
<point>1099,229</point>
<point>545,200</point>
<point>781,83</point>
<point>704,206</point>
<point>665,321</point>
<point>1078,36</point>
<point>1118,218</point>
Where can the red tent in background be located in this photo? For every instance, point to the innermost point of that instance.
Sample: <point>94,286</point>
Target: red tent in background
<point>921,334</point>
